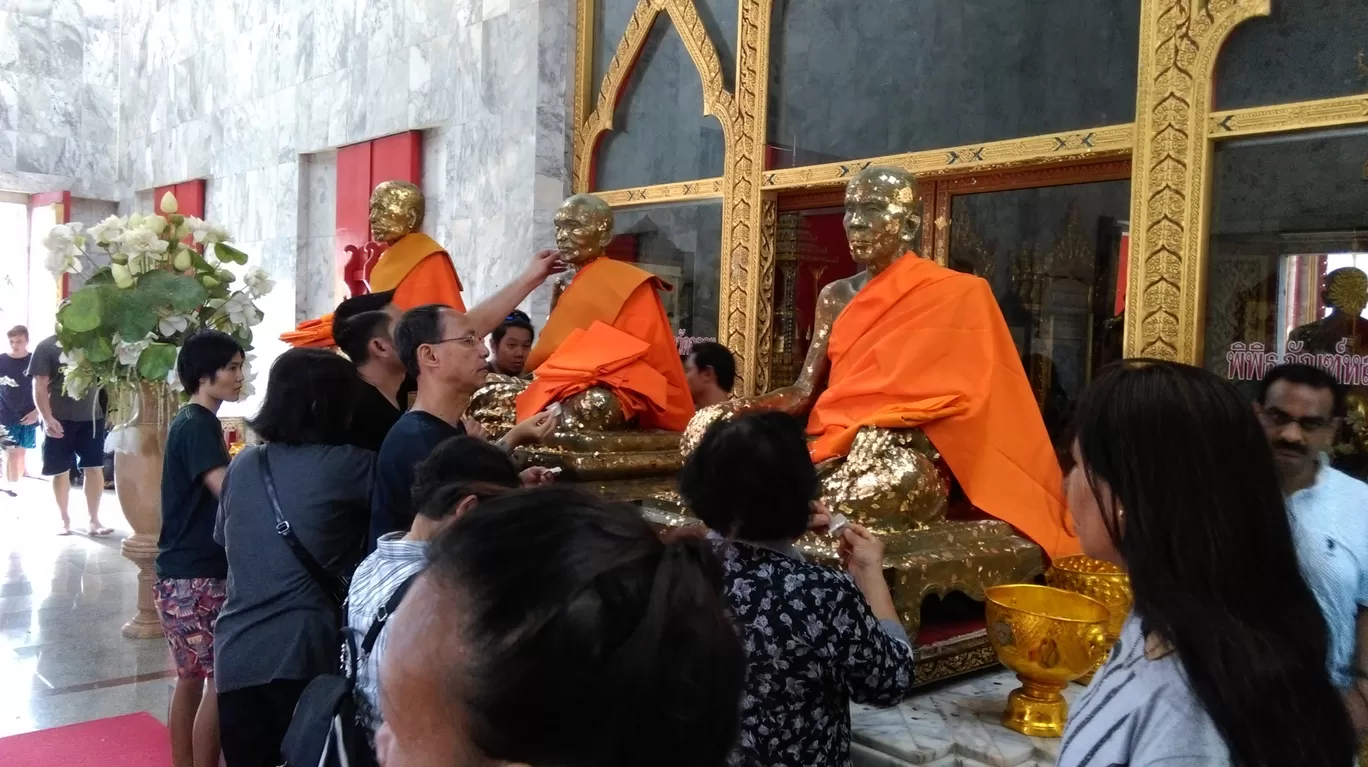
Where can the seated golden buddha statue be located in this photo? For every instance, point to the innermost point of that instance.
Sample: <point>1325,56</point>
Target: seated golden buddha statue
<point>409,263</point>
<point>607,357</point>
<point>912,380</point>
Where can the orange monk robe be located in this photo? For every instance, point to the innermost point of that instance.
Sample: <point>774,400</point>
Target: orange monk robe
<point>925,346</point>
<point>609,329</point>
<point>313,334</point>
<point>419,272</point>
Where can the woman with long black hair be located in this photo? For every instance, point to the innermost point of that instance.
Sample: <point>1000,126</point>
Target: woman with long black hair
<point>1222,661</point>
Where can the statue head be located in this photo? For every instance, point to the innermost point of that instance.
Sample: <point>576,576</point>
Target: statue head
<point>1346,290</point>
<point>396,209</point>
<point>881,218</point>
<point>584,227</point>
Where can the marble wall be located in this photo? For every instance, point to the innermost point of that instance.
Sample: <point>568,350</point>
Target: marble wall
<point>58,96</point>
<point>254,95</point>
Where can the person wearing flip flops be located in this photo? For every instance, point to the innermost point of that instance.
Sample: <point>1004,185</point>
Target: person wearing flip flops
<point>74,438</point>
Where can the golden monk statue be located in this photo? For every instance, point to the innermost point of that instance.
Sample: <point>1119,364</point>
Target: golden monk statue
<point>1345,331</point>
<point>411,264</point>
<point>912,372</point>
<point>607,357</point>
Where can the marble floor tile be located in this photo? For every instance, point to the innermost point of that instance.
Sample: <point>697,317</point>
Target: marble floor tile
<point>63,600</point>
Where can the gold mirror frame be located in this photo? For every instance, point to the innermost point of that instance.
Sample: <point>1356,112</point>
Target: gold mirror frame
<point>1171,144</point>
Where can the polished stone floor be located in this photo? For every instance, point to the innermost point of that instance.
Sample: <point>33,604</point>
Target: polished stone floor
<point>62,603</point>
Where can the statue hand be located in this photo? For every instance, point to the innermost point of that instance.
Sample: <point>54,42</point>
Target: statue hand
<point>545,264</point>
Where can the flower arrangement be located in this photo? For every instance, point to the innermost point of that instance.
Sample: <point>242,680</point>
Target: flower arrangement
<point>167,276</point>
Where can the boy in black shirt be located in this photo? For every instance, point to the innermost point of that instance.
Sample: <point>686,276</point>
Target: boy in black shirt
<point>192,569</point>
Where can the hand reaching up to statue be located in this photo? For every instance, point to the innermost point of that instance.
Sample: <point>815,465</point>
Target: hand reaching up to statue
<point>544,264</point>
<point>537,475</point>
<point>473,428</point>
<point>863,556</point>
<point>531,431</point>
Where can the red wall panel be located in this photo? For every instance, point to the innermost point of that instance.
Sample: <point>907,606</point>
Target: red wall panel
<point>359,168</point>
<point>189,197</point>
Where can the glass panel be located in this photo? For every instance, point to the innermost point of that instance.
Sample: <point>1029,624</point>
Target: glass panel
<point>682,244</point>
<point>1053,257</point>
<point>1287,212</point>
<point>610,23</point>
<point>14,266</point>
<point>810,251</point>
<point>860,79</point>
<point>660,134</point>
<point>1307,49</point>
<point>42,287</point>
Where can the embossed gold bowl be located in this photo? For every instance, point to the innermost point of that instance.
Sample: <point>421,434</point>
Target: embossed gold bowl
<point>1099,580</point>
<point>1049,637</point>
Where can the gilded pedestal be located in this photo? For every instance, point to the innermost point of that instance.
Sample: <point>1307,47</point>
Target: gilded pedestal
<point>137,480</point>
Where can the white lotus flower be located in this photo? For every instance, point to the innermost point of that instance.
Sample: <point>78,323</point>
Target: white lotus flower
<point>62,249</point>
<point>248,375</point>
<point>135,221</point>
<point>169,326</point>
<point>157,224</point>
<point>76,383</point>
<point>240,310</point>
<point>129,352</point>
<point>182,260</point>
<point>172,377</point>
<point>123,276</point>
<point>72,358</point>
<point>168,204</point>
<point>140,240</point>
<point>197,227</point>
<point>108,230</point>
<point>258,282</point>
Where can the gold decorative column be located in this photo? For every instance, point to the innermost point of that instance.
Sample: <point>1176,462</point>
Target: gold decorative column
<point>1170,197</point>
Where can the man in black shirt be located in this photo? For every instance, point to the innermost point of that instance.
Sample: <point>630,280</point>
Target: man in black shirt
<point>440,350</point>
<point>368,342</point>
<point>192,569</point>
<point>18,413</point>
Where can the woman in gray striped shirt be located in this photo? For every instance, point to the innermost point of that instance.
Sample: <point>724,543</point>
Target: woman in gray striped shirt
<point>1222,661</point>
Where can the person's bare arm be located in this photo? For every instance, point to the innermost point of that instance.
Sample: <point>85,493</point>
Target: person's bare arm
<point>213,479</point>
<point>491,312</point>
<point>51,425</point>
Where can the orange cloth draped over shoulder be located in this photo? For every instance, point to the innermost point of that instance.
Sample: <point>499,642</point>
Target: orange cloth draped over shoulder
<point>609,329</point>
<point>415,267</point>
<point>925,346</point>
<point>419,272</point>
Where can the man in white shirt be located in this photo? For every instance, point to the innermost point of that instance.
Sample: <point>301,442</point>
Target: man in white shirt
<point>1301,407</point>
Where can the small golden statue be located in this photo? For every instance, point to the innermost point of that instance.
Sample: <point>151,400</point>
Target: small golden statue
<point>605,349</point>
<point>912,379</point>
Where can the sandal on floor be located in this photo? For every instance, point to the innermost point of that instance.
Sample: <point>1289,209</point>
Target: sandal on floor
<point>100,532</point>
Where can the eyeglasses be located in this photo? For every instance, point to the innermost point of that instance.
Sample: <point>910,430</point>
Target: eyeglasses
<point>1275,417</point>
<point>470,340</point>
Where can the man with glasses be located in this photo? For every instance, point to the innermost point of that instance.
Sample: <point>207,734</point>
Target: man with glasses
<point>443,352</point>
<point>1301,407</point>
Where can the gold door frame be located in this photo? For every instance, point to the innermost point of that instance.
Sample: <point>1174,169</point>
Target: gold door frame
<point>1171,143</point>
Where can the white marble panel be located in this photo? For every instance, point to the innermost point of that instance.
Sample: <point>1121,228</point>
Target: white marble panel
<point>956,724</point>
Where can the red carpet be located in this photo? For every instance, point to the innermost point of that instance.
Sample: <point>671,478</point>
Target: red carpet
<point>135,740</point>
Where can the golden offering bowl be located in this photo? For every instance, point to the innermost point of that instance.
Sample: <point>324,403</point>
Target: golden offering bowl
<point>1049,637</point>
<point>1099,580</point>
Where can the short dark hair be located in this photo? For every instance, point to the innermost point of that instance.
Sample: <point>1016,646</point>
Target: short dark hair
<point>16,331</point>
<point>713,356</point>
<point>515,319</point>
<point>367,302</point>
<point>559,595</point>
<point>419,325</point>
<point>354,334</point>
<point>204,353</point>
<point>457,468</point>
<point>311,399</point>
<point>752,478</point>
<point>1305,375</point>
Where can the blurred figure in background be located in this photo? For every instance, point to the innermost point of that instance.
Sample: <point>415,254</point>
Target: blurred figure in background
<point>74,435</point>
<point>710,370</point>
<point>18,413</point>
<point>1222,660</point>
<point>512,341</point>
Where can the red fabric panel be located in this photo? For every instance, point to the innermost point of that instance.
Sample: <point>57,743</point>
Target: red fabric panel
<point>623,247</point>
<point>397,158</point>
<point>353,195</point>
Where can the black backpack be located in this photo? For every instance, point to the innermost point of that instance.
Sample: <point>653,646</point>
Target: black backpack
<point>326,730</point>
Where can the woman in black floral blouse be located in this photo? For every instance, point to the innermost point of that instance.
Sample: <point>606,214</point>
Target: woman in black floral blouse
<point>816,638</point>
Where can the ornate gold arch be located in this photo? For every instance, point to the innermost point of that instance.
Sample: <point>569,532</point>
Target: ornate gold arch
<point>717,101</point>
<point>1170,193</point>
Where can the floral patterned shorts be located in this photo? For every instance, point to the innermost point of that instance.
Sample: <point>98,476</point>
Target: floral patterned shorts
<point>188,609</point>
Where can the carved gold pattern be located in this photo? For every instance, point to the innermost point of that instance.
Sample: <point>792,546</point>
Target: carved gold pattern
<point>994,155</point>
<point>584,76</point>
<point>764,346</point>
<point>704,189</point>
<point>744,289</point>
<point>716,100</point>
<point>1303,115</point>
<point>1179,40</point>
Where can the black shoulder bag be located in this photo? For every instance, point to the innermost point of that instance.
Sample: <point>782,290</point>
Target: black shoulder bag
<point>326,730</point>
<point>333,585</point>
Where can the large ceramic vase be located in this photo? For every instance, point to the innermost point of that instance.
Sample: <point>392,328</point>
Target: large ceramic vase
<point>146,414</point>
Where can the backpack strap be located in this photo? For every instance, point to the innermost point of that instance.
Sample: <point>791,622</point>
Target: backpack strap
<point>386,610</point>
<point>333,586</point>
